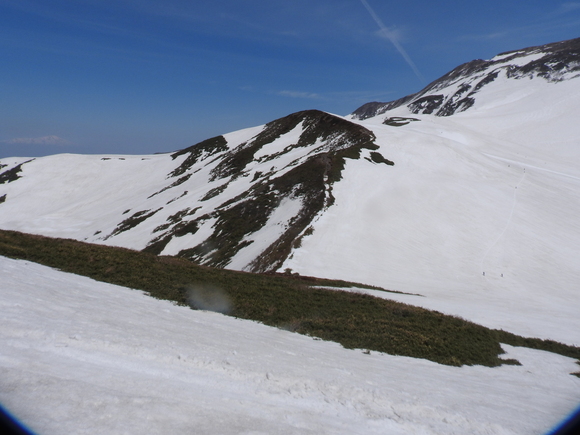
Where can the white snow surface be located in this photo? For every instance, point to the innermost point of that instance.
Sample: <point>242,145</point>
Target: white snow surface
<point>521,60</point>
<point>84,357</point>
<point>492,190</point>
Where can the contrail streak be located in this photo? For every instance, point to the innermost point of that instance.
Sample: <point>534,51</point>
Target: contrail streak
<point>388,34</point>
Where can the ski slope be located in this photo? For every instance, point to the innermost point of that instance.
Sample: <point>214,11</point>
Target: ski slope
<point>84,357</point>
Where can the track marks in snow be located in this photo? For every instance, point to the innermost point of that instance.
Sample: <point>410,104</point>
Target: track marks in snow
<point>509,220</point>
<point>563,174</point>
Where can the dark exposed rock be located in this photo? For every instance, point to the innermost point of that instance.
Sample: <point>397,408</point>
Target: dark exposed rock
<point>206,148</point>
<point>427,104</point>
<point>455,91</point>
<point>132,222</point>
<point>308,180</point>
<point>398,121</point>
<point>176,183</point>
<point>333,131</point>
<point>369,110</point>
<point>12,174</point>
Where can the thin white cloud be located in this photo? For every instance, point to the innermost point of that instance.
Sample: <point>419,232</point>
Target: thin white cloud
<point>393,36</point>
<point>44,140</point>
<point>298,94</point>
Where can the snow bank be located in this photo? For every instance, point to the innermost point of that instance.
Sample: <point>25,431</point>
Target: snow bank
<point>79,356</point>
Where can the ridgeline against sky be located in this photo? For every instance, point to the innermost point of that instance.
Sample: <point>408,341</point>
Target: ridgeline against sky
<point>142,77</point>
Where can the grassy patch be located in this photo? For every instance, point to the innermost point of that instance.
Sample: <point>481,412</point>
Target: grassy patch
<point>290,302</point>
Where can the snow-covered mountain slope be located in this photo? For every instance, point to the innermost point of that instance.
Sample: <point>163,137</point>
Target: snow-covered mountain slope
<point>78,357</point>
<point>459,89</point>
<point>480,211</point>
<point>238,200</point>
<point>476,211</point>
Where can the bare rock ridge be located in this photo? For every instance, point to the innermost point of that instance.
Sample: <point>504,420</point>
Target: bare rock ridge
<point>456,91</point>
<point>321,147</point>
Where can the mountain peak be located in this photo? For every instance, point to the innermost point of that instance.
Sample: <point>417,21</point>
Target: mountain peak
<point>456,91</point>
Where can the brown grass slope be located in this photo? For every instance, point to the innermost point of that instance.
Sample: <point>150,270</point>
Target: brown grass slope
<point>351,319</point>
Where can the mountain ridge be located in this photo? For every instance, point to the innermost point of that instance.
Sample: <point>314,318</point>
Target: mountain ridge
<point>469,207</point>
<point>558,61</point>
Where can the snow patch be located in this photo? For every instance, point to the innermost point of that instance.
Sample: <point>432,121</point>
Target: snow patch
<point>279,144</point>
<point>519,60</point>
<point>179,243</point>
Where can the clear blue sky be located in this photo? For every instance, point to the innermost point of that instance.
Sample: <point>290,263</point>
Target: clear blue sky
<point>144,76</point>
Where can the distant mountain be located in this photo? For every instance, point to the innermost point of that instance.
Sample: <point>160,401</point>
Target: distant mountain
<point>457,90</point>
<point>465,192</point>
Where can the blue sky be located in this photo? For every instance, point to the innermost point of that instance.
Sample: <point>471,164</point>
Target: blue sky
<point>145,76</point>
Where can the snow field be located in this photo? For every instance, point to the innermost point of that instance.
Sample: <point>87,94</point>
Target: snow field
<point>93,191</point>
<point>78,357</point>
<point>476,192</point>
